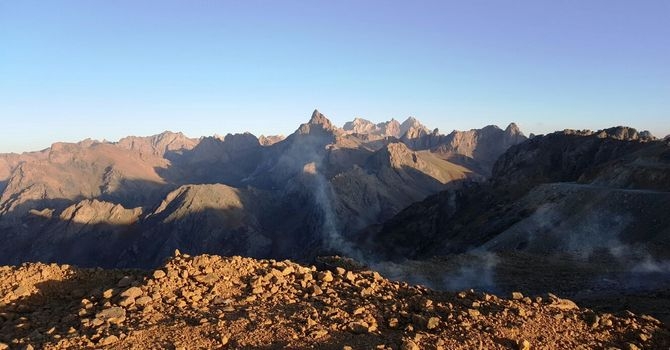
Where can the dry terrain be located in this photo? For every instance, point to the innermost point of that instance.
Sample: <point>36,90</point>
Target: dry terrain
<point>205,301</point>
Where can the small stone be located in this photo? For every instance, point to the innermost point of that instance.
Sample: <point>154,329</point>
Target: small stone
<point>113,315</point>
<point>108,293</point>
<point>158,274</point>
<point>127,301</point>
<point>4,346</point>
<point>473,312</point>
<point>521,312</point>
<point>517,296</point>
<point>209,278</point>
<point>124,282</point>
<point>326,276</point>
<point>359,327</point>
<point>340,271</point>
<point>523,344</point>
<point>319,333</point>
<point>393,322</point>
<point>316,290</point>
<point>350,276</point>
<point>563,304</point>
<point>433,322</point>
<point>631,346</point>
<point>143,301</point>
<point>108,340</point>
<point>132,292</point>
<point>409,345</point>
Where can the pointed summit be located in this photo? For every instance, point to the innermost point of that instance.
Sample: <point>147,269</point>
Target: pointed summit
<point>512,129</point>
<point>318,122</point>
<point>414,126</point>
<point>320,119</point>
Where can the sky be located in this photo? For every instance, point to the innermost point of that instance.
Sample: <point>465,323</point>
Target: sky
<point>71,70</point>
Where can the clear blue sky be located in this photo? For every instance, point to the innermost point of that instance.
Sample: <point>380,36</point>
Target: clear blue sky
<point>106,69</point>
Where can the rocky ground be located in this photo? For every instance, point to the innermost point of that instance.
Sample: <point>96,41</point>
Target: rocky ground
<point>205,302</point>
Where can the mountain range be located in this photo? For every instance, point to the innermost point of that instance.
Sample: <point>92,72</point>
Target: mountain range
<point>575,192</point>
<point>131,203</point>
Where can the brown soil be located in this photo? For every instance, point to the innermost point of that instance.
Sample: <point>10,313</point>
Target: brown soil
<point>205,302</point>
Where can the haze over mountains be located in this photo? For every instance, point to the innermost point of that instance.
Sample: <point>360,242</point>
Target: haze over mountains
<point>132,202</point>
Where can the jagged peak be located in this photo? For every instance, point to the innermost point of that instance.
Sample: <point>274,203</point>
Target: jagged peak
<point>270,139</point>
<point>623,133</point>
<point>512,128</point>
<point>318,122</point>
<point>357,123</point>
<point>414,127</point>
<point>320,119</point>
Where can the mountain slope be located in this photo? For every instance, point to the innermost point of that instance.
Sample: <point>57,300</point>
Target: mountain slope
<point>606,166</point>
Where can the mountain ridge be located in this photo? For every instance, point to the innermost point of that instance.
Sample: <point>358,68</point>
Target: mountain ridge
<point>323,184</point>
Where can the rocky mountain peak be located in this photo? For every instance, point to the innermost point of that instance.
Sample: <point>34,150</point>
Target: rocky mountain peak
<point>359,126</point>
<point>364,126</point>
<point>93,211</point>
<point>319,123</point>
<point>270,140</point>
<point>320,119</point>
<point>159,144</point>
<point>241,141</point>
<point>412,128</point>
<point>625,133</point>
<point>512,129</point>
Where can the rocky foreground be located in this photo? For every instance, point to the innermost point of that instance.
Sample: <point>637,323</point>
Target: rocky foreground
<point>215,302</point>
